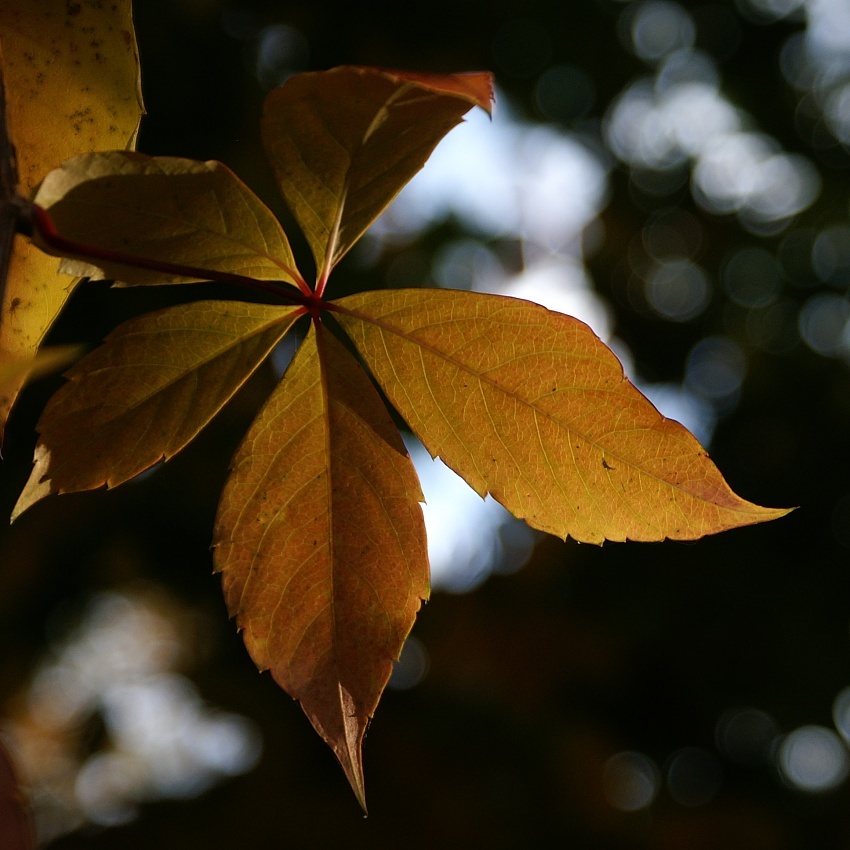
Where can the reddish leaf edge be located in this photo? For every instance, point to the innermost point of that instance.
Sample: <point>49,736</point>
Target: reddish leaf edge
<point>476,87</point>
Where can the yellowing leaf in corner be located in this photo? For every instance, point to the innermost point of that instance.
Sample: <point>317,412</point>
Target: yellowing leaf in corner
<point>530,406</point>
<point>71,74</point>
<point>17,370</point>
<point>147,391</point>
<point>344,142</point>
<point>321,543</point>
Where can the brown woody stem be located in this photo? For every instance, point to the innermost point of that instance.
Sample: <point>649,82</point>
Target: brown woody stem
<point>10,209</point>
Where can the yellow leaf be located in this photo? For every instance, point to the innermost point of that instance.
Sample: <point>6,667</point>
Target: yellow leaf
<point>147,391</point>
<point>71,74</point>
<point>321,543</point>
<point>530,406</point>
<point>344,142</point>
<point>168,209</point>
<point>14,370</point>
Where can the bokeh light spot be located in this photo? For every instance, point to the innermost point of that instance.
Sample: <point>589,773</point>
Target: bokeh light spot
<point>631,781</point>
<point>715,368</point>
<point>752,277</point>
<point>678,290</point>
<point>659,27</point>
<point>772,10</point>
<point>841,705</point>
<point>823,320</point>
<point>831,256</point>
<point>745,735</point>
<point>467,264</point>
<point>693,776</point>
<point>411,667</point>
<point>281,51</point>
<point>813,759</point>
<point>118,670</point>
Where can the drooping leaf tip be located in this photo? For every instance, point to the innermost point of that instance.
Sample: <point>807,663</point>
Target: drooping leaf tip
<point>476,87</point>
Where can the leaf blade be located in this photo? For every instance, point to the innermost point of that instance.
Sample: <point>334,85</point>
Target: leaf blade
<point>17,370</point>
<point>532,407</point>
<point>72,83</point>
<point>321,544</point>
<point>339,168</point>
<point>166,209</point>
<point>147,391</point>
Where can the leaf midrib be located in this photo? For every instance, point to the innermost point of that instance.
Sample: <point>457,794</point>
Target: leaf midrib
<point>194,228</point>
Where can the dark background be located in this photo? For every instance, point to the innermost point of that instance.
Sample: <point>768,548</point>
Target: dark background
<point>538,677</point>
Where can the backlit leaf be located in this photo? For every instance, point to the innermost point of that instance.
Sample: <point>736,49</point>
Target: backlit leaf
<point>321,543</point>
<point>147,391</point>
<point>344,142</point>
<point>14,370</point>
<point>168,209</point>
<point>71,74</point>
<point>530,406</point>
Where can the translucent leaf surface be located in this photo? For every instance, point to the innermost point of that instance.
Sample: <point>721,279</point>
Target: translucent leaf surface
<point>344,142</point>
<point>147,391</point>
<point>321,543</point>
<point>531,406</point>
<point>15,370</point>
<point>71,74</point>
<point>164,208</point>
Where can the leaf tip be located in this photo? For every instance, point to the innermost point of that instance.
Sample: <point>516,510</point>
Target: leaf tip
<point>39,484</point>
<point>349,751</point>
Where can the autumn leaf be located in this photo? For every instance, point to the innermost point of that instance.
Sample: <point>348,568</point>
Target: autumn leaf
<point>321,543</point>
<point>163,208</point>
<point>344,142</point>
<point>319,535</point>
<point>530,406</point>
<point>71,74</point>
<point>17,370</point>
<point>147,391</point>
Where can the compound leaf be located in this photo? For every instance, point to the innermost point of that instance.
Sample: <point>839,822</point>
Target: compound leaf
<point>168,209</point>
<point>321,543</point>
<point>71,74</point>
<point>147,391</point>
<point>530,406</point>
<point>344,142</point>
